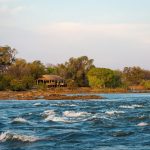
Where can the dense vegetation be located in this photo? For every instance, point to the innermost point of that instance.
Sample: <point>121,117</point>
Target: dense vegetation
<point>18,74</point>
<point>104,78</point>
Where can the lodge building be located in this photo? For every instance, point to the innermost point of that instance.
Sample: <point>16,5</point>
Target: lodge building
<point>51,81</point>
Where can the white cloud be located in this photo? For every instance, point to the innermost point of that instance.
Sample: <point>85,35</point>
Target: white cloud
<point>5,10</point>
<point>6,7</point>
<point>110,45</point>
<point>138,32</point>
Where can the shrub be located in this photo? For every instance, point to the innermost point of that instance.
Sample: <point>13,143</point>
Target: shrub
<point>146,84</point>
<point>4,82</point>
<point>17,85</point>
<point>71,84</point>
<point>28,82</point>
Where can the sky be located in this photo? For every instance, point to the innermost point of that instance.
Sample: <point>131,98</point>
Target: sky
<point>115,33</point>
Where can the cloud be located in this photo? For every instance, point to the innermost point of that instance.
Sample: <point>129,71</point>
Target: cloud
<point>114,45</point>
<point>10,7</point>
<point>5,10</point>
<point>110,45</point>
<point>138,32</point>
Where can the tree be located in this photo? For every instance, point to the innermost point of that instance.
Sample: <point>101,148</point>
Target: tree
<point>146,74</point>
<point>76,70</point>
<point>36,69</point>
<point>7,57</point>
<point>22,74</point>
<point>103,77</point>
<point>19,69</point>
<point>133,75</point>
<point>50,69</point>
<point>28,82</point>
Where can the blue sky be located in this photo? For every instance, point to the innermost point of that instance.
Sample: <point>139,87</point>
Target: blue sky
<point>115,33</point>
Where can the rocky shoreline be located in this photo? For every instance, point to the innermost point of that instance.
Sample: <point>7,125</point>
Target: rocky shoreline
<point>47,95</point>
<point>62,94</point>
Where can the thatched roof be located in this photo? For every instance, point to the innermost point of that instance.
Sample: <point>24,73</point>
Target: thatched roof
<point>51,77</point>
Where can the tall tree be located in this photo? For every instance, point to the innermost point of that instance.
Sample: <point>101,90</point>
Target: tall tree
<point>133,75</point>
<point>146,74</point>
<point>76,70</point>
<point>36,69</point>
<point>7,57</point>
<point>19,69</point>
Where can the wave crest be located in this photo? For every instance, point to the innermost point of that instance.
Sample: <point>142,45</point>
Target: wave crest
<point>74,114</point>
<point>131,106</point>
<point>8,136</point>
<point>55,119</point>
<point>142,124</point>
<point>50,115</point>
<point>113,112</point>
<point>19,120</point>
<point>37,104</point>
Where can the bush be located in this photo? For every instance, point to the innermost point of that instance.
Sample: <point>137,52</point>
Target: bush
<point>4,82</point>
<point>2,86</point>
<point>21,85</point>
<point>41,86</point>
<point>71,84</point>
<point>17,85</point>
<point>28,82</point>
<point>146,84</point>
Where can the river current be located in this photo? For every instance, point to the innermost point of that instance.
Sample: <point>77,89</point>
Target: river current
<point>119,122</point>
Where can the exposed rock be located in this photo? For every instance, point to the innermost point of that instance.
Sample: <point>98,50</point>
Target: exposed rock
<point>30,95</point>
<point>73,97</point>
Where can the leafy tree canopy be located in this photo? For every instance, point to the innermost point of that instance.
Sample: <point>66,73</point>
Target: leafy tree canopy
<point>133,75</point>
<point>7,57</point>
<point>76,69</point>
<point>103,77</point>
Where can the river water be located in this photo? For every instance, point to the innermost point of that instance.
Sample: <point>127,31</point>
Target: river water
<point>119,122</point>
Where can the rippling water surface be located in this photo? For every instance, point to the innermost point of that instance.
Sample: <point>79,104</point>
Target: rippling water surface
<point>120,122</point>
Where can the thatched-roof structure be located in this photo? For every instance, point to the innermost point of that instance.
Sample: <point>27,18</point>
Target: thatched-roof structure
<point>52,81</point>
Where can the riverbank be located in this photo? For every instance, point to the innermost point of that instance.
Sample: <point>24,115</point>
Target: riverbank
<point>47,95</point>
<point>61,94</point>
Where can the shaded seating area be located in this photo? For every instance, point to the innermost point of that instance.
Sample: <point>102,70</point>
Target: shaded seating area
<point>51,81</point>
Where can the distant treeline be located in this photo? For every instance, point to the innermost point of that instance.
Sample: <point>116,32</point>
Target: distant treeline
<point>18,74</point>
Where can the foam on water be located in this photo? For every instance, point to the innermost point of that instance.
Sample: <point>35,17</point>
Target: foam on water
<point>71,105</point>
<point>74,114</point>
<point>19,120</point>
<point>131,106</point>
<point>55,119</point>
<point>142,124</point>
<point>113,112</point>
<point>63,105</point>
<point>8,136</point>
<point>137,106</point>
<point>50,115</point>
<point>37,104</point>
<point>48,112</point>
